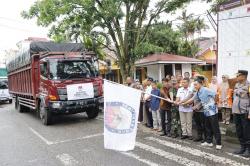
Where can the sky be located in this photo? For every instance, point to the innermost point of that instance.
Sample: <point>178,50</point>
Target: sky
<point>13,28</point>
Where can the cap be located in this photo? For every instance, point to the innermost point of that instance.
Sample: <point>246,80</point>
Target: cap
<point>242,72</point>
<point>150,79</point>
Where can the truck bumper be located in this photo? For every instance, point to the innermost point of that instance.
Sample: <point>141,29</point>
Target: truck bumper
<point>76,106</point>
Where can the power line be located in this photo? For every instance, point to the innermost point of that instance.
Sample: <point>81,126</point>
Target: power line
<point>11,27</point>
<point>11,19</point>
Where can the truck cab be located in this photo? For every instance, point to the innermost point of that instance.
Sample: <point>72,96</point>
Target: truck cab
<point>68,84</point>
<point>55,78</point>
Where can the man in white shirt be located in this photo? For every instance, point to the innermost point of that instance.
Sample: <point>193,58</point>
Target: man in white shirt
<point>146,99</point>
<point>186,111</point>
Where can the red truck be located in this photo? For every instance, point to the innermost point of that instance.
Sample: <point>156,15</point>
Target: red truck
<point>53,79</point>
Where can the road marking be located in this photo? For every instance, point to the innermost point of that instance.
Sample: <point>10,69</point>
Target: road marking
<point>63,141</point>
<point>33,161</point>
<point>132,155</point>
<point>67,160</point>
<point>178,159</point>
<point>41,137</point>
<point>180,141</point>
<point>196,152</point>
<point>231,154</point>
<point>75,139</point>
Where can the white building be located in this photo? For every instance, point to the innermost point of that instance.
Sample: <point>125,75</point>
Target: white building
<point>162,64</point>
<point>233,37</point>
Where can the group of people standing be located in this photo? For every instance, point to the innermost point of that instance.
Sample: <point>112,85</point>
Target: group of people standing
<point>172,108</point>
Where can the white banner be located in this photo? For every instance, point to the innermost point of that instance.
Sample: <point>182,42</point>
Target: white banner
<point>80,91</point>
<point>121,109</point>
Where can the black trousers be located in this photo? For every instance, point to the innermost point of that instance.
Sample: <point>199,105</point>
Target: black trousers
<point>199,119</point>
<point>213,129</point>
<point>140,117</point>
<point>149,114</point>
<point>242,129</point>
<point>166,121</point>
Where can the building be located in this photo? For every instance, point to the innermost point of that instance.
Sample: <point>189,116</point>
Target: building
<point>233,37</point>
<point>207,53</point>
<point>109,68</point>
<point>159,65</point>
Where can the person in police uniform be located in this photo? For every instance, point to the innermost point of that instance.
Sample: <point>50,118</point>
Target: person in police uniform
<point>241,107</point>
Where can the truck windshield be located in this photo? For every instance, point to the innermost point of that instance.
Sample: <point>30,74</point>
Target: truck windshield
<point>71,69</point>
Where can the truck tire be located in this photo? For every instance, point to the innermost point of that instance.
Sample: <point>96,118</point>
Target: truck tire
<point>92,112</point>
<point>45,114</point>
<point>20,108</point>
<point>10,101</point>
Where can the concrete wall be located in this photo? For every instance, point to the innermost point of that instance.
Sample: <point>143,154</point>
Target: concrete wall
<point>186,68</point>
<point>157,71</point>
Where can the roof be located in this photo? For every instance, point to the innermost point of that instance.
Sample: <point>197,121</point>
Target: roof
<point>230,4</point>
<point>110,54</point>
<point>210,61</point>
<point>167,58</point>
<point>205,44</point>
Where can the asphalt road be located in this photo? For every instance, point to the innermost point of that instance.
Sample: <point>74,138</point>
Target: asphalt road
<point>74,140</point>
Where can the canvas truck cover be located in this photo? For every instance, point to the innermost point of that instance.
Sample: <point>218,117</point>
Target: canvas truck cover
<point>27,49</point>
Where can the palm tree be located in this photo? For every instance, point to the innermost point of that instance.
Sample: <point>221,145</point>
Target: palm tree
<point>188,26</point>
<point>200,25</point>
<point>191,25</point>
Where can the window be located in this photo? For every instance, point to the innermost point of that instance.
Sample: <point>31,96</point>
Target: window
<point>43,69</point>
<point>73,69</point>
<point>178,69</point>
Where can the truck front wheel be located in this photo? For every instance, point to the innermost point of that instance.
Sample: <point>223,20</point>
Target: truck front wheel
<point>45,114</point>
<point>92,112</point>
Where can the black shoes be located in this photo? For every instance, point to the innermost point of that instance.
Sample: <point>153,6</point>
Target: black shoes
<point>198,139</point>
<point>174,135</point>
<point>184,137</point>
<point>246,154</point>
<point>163,134</point>
<point>241,151</point>
<point>168,135</point>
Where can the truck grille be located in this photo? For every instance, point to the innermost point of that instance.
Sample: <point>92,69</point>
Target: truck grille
<point>62,93</point>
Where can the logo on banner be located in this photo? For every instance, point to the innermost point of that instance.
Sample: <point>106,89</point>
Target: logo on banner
<point>119,118</point>
<point>80,88</point>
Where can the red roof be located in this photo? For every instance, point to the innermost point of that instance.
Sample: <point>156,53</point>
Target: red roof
<point>167,58</point>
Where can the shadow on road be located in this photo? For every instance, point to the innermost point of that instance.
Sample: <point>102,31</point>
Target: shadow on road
<point>59,120</point>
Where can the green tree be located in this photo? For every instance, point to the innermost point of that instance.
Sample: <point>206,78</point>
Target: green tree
<point>190,25</point>
<point>216,4</point>
<point>188,48</point>
<point>121,20</point>
<point>187,28</point>
<point>160,38</point>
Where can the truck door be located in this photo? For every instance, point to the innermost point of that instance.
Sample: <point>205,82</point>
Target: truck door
<point>43,88</point>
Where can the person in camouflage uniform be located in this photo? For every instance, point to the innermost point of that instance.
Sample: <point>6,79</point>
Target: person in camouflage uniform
<point>176,123</point>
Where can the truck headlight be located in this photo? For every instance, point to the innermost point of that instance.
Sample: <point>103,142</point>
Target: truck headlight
<point>56,105</point>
